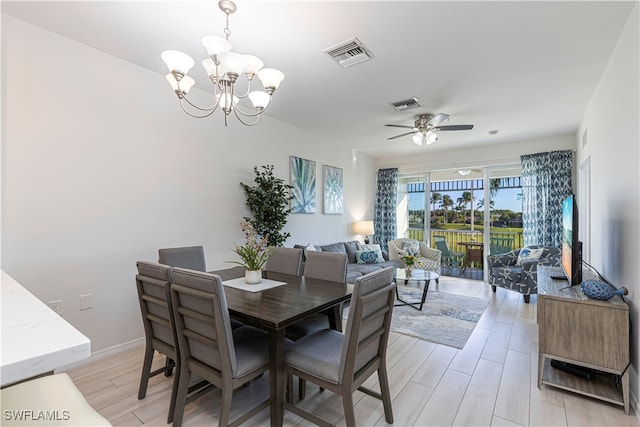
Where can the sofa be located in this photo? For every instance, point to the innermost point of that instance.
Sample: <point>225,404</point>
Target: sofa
<point>353,249</point>
<point>513,271</point>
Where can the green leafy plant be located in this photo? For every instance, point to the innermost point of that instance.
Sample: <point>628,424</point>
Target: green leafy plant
<point>408,259</point>
<point>255,252</point>
<point>269,202</point>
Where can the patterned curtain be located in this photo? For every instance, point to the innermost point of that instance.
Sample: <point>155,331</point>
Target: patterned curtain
<point>546,182</point>
<point>384,217</point>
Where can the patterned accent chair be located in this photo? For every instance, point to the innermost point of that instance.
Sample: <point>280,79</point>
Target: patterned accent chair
<point>429,257</point>
<point>505,272</point>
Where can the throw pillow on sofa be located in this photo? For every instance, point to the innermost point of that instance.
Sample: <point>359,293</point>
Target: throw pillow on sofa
<point>369,257</point>
<point>528,254</point>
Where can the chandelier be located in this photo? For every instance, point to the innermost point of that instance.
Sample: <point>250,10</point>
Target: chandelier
<point>224,69</point>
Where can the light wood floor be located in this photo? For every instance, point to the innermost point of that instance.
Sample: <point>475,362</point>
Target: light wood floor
<point>491,381</point>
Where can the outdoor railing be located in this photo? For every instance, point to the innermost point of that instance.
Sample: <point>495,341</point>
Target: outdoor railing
<point>457,236</point>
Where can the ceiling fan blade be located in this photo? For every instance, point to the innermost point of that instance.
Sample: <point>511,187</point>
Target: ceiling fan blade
<point>401,126</point>
<point>437,119</point>
<point>453,127</point>
<point>401,135</point>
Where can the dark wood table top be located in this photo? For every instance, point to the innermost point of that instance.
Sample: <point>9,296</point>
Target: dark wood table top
<point>278,307</point>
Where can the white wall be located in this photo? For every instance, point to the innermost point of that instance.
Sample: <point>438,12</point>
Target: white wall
<point>612,125</point>
<point>100,168</point>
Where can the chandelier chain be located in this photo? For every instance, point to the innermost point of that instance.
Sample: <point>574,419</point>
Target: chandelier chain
<point>227,31</point>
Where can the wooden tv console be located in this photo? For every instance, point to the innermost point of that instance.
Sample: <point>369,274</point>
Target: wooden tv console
<point>585,332</point>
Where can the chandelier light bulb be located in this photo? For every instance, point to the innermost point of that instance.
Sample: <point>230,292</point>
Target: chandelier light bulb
<point>232,64</point>
<point>270,78</point>
<point>225,101</point>
<point>254,64</point>
<point>209,66</point>
<point>177,61</point>
<point>417,138</point>
<point>182,88</point>
<point>259,99</point>
<point>215,45</point>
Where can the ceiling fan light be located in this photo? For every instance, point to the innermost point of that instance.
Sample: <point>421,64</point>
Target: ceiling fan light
<point>215,45</point>
<point>417,138</point>
<point>177,61</point>
<point>431,137</point>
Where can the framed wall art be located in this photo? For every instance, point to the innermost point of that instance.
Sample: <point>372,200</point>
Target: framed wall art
<point>303,180</point>
<point>333,189</point>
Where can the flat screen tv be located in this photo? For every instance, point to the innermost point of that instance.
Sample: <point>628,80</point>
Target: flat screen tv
<point>571,246</point>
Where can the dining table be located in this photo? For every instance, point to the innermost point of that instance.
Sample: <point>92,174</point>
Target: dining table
<point>276,308</point>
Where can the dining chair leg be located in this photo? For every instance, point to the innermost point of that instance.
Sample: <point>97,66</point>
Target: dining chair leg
<point>181,397</point>
<point>174,393</point>
<point>146,371</point>
<point>302,388</point>
<point>349,413</point>
<point>168,365</point>
<point>289,393</point>
<point>225,406</point>
<point>386,394</point>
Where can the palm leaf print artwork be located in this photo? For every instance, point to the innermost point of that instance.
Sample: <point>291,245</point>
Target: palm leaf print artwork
<point>303,180</point>
<point>332,190</point>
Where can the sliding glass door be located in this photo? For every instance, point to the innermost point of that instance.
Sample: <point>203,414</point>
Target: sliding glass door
<point>451,205</point>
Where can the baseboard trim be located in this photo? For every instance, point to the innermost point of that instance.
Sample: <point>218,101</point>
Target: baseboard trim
<point>104,353</point>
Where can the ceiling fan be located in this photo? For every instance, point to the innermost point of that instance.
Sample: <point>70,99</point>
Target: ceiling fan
<point>426,127</point>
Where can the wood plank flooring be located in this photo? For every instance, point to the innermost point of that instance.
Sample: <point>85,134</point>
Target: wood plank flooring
<point>491,381</point>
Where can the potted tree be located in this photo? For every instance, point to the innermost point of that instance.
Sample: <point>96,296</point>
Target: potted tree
<point>269,202</point>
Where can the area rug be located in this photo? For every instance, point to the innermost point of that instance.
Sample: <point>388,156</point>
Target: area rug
<point>445,318</point>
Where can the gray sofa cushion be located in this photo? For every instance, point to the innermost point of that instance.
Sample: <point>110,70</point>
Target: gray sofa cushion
<point>351,248</point>
<point>334,247</point>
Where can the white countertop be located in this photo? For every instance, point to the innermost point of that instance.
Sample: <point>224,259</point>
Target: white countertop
<point>34,339</point>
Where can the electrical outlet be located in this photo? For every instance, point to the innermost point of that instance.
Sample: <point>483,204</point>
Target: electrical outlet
<point>56,306</point>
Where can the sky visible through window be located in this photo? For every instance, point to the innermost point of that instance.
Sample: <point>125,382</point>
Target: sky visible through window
<point>506,198</point>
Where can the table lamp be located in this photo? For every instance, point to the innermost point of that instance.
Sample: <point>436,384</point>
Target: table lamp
<point>365,228</point>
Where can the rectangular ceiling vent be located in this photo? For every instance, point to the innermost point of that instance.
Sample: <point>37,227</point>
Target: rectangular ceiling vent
<point>407,104</point>
<point>349,53</point>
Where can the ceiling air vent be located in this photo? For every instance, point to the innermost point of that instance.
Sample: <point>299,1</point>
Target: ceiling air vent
<point>407,104</point>
<point>349,53</point>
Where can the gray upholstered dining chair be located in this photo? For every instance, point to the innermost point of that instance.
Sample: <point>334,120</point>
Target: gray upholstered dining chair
<point>285,261</point>
<point>209,348</point>
<point>329,266</point>
<point>153,282</point>
<point>341,362</point>
<point>191,257</point>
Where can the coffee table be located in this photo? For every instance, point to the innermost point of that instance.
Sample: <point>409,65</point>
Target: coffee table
<point>418,277</point>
